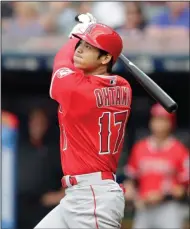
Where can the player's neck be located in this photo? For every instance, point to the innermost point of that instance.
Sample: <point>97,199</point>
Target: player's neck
<point>159,141</point>
<point>36,142</point>
<point>98,71</point>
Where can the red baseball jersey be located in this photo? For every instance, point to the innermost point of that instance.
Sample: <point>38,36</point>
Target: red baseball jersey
<point>158,169</point>
<point>93,112</point>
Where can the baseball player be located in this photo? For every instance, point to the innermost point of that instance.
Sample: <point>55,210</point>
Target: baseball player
<point>94,106</point>
<point>159,165</point>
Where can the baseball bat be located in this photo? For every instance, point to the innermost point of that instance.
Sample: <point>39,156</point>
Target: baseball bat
<point>150,86</point>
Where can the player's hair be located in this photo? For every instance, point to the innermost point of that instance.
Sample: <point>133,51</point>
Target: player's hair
<point>77,45</point>
<point>110,64</point>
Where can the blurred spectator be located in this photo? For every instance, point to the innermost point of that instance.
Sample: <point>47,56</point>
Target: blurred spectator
<point>152,8</point>
<point>135,20</point>
<point>84,7</point>
<point>39,172</point>
<point>176,14</point>
<point>59,17</point>
<point>173,23</point>
<point>159,164</point>
<point>109,13</point>
<point>25,21</point>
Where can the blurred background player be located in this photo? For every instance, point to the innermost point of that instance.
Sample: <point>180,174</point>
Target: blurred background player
<point>39,171</point>
<point>158,174</point>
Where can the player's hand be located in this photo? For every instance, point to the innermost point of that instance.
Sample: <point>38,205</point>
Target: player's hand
<point>85,18</point>
<point>178,191</point>
<point>153,198</point>
<point>139,204</point>
<point>130,191</point>
<point>84,21</point>
<point>52,198</point>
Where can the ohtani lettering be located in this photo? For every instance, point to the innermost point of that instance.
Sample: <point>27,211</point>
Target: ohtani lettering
<point>111,96</point>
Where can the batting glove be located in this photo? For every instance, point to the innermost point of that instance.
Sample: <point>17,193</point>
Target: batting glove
<point>85,18</point>
<point>84,21</point>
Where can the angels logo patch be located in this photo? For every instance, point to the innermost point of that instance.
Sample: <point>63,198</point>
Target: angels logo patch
<point>64,72</point>
<point>113,81</point>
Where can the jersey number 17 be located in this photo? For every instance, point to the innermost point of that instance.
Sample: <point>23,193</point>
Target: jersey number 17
<point>106,129</point>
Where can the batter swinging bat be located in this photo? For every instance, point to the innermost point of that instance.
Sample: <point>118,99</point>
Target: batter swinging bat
<point>150,86</point>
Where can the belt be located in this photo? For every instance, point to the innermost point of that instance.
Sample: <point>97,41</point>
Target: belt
<point>90,178</point>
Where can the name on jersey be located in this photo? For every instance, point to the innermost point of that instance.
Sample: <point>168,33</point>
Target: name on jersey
<point>149,165</point>
<point>110,96</point>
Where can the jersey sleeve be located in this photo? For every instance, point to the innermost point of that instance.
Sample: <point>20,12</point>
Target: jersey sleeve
<point>131,168</point>
<point>65,75</point>
<point>183,166</point>
<point>64,57</point>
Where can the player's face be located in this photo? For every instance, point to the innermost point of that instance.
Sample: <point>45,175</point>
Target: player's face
<point>160,126</point>
<point>86,57</point>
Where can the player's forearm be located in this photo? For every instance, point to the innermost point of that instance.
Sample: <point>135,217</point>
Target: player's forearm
<point>64,57</point>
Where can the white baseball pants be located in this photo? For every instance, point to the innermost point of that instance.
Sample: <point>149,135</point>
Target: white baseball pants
<point>93,203</point>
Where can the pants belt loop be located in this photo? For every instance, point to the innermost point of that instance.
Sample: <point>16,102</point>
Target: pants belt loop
<point>67,181</point>
<point>114,176</point>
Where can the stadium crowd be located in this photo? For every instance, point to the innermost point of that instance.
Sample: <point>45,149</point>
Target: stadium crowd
<point>43,18</point>
<point>144,26</point>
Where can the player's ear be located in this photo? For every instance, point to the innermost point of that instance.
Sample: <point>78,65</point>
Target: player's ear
<point>105,59</point>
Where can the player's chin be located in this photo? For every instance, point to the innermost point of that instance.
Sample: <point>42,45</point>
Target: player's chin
<point>79,64</point>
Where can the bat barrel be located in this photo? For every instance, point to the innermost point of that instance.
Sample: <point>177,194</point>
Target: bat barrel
<point>150,86</point>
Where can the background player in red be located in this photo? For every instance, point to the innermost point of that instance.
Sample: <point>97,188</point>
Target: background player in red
<point>160,166</point>
<point>94,106</point>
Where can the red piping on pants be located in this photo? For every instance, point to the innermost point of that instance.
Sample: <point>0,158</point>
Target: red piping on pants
<point>94,207</point>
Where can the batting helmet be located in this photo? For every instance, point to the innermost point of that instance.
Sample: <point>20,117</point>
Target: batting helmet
<point>158,111</point>
<point>103,37</point>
